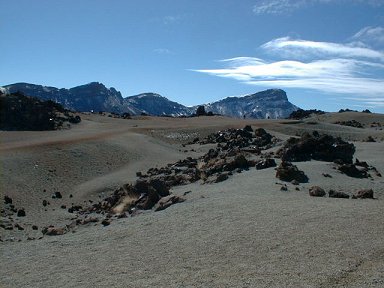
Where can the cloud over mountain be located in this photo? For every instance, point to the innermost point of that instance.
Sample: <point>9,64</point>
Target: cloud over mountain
<point>341,68</point>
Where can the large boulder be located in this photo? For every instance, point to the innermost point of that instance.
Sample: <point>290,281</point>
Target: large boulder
<point>364,194</point>
<point>316,191</point>
<point>323,148</point>
<point>289,172</point>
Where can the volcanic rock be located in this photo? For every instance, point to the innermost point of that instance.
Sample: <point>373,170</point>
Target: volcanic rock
<point>7,200</point>
<point>316,191</point>
<point>54,231</point>
<point>265,163</point>
<point>364,194</point>
<point>323,148</point>
<point>167,201</point>
<point>352,171</point>
<point>289,172</point>
<point>337,194</point>
<point>21,213</point>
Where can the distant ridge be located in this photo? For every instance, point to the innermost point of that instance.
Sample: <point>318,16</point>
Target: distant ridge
<point>94,96</point>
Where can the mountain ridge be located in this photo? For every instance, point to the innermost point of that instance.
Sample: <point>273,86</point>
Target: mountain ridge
<point>95,96</point>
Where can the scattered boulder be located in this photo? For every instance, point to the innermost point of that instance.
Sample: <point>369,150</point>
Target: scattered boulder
<point>45,203</point>
<point>106,222</point>
<point>57,195</point>
<point>167,201</point>
<point>7,200</point>
<point>364,194</point>
<point>337,194</point>
<point>316,191</point>
<point>289,172</point>
<point>265,163</point>
<point>221,177</point>
<point>54,231</point>
<point>34,227</point>
<point>21,213</point>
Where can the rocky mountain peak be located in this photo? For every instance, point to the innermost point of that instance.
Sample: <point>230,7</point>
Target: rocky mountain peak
<point>95,96</point>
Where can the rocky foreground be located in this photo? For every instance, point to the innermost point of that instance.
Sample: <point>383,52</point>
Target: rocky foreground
<point>234,150</point>
<point>164,202</point>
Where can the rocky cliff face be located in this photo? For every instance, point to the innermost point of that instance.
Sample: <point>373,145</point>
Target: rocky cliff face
<point>154,104</point>
<point>272,103</point>
<point>268,104</point>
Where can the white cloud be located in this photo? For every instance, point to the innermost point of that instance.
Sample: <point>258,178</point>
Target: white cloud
<point>296,48</point>
<point>373,36</point>
<point>321,66</point>
<point>277,6</point>
<point>287,6</point>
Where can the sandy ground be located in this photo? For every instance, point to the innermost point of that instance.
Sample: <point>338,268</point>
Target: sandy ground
<point>244,232</point>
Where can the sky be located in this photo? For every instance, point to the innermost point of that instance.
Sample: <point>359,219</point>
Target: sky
<point>326,54</point>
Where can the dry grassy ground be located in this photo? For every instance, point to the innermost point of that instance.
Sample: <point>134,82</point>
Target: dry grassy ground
<point>243,232</point>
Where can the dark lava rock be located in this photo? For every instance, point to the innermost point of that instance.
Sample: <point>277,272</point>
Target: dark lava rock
<point>351,171</point>
<point>57,195</point>
<point>19,227</point>
<point>350,123</point>
<point>289,172</point>
<point>221,177</point>
<point>106,222</point>
<point>167,201</point>
<point>337,194</point>
<point>6,225</point>
<point>34,227</point>
<point>364,194</point>
<point>262,137</point>
<point>265,163</point>
<point>7,200</point>
<point>323,148</point>
<point>248,128</point>
<point>316,191</point>
<point>21,213</point>
<point>75,208</point>
<point>45,203</point>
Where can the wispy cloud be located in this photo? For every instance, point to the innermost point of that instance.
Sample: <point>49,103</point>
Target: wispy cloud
<point>373,36</point>
<point>277,7</point>
<point>296,48</point>
<point>162,51</point>
<point>322,66</point>
<point>172,19</point>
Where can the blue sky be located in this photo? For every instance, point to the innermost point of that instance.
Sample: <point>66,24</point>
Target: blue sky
<point>326,54</point>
